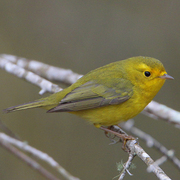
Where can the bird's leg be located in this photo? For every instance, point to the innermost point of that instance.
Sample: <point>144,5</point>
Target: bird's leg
<point>126,137</point>
<point>107,135</point>
<point>111,136</point>
<point>119,133</point>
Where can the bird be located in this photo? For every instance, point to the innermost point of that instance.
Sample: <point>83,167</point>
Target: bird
<point>109,94</point>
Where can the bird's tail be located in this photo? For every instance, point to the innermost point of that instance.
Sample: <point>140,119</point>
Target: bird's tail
<point>34,104</point>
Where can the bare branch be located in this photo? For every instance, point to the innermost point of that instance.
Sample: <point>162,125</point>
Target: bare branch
<point>127,166</point>
<point>28,160</point>
<point>159,111</point>
<point>46,86</point>
<point>150,163</point>
<point>8,131</point>
<point>39,154</point>
<point>135,149</point>
<point>158,162</point>
<point>151,142</point>
<point>44,70</point>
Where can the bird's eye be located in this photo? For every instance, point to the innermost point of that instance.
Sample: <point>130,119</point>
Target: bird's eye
<point>147,73</point>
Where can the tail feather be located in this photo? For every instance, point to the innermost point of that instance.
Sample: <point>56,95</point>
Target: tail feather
<point>40,103</point>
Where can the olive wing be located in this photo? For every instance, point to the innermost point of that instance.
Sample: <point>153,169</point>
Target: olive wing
<point>94,94</point>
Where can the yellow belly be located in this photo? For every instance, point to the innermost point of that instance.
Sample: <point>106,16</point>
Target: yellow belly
<point>112,114</point>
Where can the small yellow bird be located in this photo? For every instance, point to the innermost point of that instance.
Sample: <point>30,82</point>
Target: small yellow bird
<point>110,94</point>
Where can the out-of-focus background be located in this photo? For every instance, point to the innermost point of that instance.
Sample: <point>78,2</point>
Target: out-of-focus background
<point>83,35</point>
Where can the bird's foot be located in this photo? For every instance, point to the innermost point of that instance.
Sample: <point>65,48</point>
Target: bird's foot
<point>117,133</point>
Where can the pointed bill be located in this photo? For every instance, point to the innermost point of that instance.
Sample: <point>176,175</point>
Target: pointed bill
<point>166,76</point>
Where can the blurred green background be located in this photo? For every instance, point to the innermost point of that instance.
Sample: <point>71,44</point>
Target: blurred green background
<point>83,35</point>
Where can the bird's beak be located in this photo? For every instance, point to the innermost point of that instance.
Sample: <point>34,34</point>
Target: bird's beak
<point>166,76</point>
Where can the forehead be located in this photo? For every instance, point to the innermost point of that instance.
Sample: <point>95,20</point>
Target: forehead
<point>150,63</point>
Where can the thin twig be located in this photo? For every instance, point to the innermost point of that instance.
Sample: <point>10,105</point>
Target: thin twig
<point>126,166</point>
<point>151,142</point>
<point>44,70</point>
<point>39,154</point>
<point>158,162</point>
<point>8,131</point>
<point>28,160</point>
<point>156,110</point>
<point>150,163</point>
<point>135,149</point>
<point>45,85</point>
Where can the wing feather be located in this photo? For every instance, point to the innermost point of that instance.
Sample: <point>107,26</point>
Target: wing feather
<point>93,95</point>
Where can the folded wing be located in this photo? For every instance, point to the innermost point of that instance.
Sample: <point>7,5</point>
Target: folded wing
<point>94,94</point>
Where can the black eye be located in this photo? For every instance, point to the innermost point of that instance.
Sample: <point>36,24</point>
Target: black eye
<point>147,73</point>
